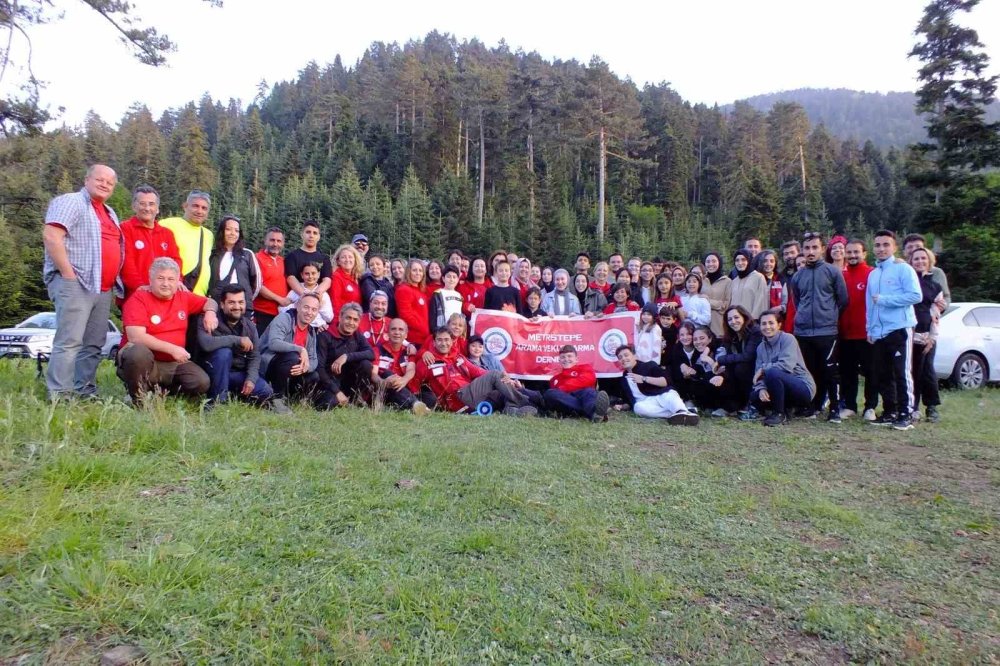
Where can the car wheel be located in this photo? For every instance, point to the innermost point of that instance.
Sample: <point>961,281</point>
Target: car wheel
<point>970,372</point>
<point>113,353</point>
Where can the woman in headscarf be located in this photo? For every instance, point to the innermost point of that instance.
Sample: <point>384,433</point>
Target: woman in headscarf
<point>749,287</point>
<point>561,300</point>
<point>718,290</point>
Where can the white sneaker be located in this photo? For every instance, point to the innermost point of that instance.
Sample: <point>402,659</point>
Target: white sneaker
<point>689,405</point>
<point>848,413</point>
<point>420,409</point>
<point>869,415</point>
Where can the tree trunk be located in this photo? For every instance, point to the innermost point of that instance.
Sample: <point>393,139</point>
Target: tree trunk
<point>397,117</point>
<point>482,168</point>
<point>531,167</point>
<point>458,150</point>
<point>603,158</point>
<point>805,195</point>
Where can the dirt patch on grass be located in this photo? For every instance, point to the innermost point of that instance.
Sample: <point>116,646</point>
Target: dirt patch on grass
<point>886,461</point>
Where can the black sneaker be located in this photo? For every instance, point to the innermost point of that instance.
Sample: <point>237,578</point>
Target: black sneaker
<point>903,423</point>
<point>834,416</point>
<point>884,420</point>
<point>805,413</point>
<point>602,405</point>
<point>683,419</point>
<point>775,419</point>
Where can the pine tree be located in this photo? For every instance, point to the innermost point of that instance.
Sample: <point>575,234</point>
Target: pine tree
<point>415,219</point>
<point>193,168</point>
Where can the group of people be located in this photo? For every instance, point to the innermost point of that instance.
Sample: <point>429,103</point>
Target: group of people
<point>205,316</point>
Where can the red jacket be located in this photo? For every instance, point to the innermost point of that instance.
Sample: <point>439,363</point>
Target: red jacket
<point>344,289</point>
<point>474,294</point>
<point>142,246</point>
<point>376,333</point>
<point>852,319</point>
<point>774,291</point>
<point>413,307</point>
<point>580,376</point>
<point>446,376</point>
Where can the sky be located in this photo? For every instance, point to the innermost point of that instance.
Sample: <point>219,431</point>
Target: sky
<point>709,51</point>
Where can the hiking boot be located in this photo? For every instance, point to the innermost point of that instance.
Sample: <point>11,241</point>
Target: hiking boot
<point>833,417</point>
<point>683,419</point>
<point>278,406</point>
<point>885,420</point>
<point>903,423</point>
<point>776,419</point>
<point>869,415</point>
<point>420,409</point>
<point>933,416</point>
<point>602,405</point>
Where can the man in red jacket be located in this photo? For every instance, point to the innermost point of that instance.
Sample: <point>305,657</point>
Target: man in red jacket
<point>460,386</point>
<point>572,392</point>
<point>855,351</point>
<point>145,239</point>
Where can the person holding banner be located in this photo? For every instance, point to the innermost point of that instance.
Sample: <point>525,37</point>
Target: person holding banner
<point>622,301</point>
<point>460,386</point>
<point>647,390</point>
<point>560,301</point>
<point>572,391</point>
<point>592,301</point>
<point>473,290</point>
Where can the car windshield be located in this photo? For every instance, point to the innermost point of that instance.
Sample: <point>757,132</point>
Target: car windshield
<point>40,320</point>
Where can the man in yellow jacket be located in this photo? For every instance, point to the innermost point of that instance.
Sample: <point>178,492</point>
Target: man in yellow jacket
<point>193,240</point>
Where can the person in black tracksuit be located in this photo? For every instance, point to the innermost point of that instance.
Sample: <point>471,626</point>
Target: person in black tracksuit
<point>345,357</point>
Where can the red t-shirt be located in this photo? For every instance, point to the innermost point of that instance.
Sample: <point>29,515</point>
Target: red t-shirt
<point>111,248</point>
<point>301,336</point>
<point>272,276</point>
<point>164,320</point>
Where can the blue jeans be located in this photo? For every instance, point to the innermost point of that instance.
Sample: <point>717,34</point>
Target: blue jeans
<point>223,380</point>
<point>578,403</point>
<point>786,391</point>
<point>81,331</point>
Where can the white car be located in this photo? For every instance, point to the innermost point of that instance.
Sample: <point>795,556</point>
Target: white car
<point>33,338</point>
<point>968,345</point>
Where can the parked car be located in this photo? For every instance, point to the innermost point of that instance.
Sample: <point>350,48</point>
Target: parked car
<point>968,353</point>
<point>33,338</point>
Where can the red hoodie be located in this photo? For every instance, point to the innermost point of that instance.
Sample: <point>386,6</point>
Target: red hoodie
<point>474,294</point>
<point>344,289</point>
<point>142,246</point>
<point>580,376</point>
<point>852,319</point>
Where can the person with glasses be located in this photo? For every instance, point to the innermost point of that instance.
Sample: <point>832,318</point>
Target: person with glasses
<point>145,239</point>
<point>360,243</point>
<point>820,295</point>
<point>194,241</point>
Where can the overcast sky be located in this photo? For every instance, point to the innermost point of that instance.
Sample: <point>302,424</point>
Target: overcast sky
<point>710,51</point>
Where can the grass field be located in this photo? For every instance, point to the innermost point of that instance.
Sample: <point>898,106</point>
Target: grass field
<point>243,537</point>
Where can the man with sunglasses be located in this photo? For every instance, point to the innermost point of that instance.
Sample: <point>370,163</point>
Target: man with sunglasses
<point>360,243</point>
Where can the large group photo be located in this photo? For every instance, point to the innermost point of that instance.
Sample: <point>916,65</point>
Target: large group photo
<point>462,354</point>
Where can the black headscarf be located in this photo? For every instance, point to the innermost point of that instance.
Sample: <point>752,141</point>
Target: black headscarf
<point>716,274</point>
<point>745,272</point>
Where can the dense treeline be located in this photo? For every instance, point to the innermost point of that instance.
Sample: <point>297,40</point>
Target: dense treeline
<point>438,143</point>
<point>888,119</point>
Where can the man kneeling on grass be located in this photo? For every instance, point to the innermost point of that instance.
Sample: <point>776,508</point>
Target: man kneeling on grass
<point>572,392</point>
<point>232,356</point>
<point>647,390</point>
<point>345,357</point>
<point>156,323</point>
<point>394,370</point>
<point>460,386</point>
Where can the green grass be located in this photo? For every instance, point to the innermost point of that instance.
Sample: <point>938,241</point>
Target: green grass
<point>243,537</point>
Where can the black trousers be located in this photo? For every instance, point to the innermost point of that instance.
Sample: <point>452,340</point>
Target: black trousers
<point>856,362</point>
<point>892,370</point>
<point>822,354</point>
<point>262,321</point>
<point>925,380</point>
<point>285,385</point>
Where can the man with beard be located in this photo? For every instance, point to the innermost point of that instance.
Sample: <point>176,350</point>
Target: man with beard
<point>232,356</point>
<point>374,324</point>
<point>855,352</point>
<point>273,287</point>
<point>820,296</point>
<point>789,251</point>
<point>345,357</point>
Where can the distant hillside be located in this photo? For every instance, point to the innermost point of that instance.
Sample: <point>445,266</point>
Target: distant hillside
<point>887,119</point>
